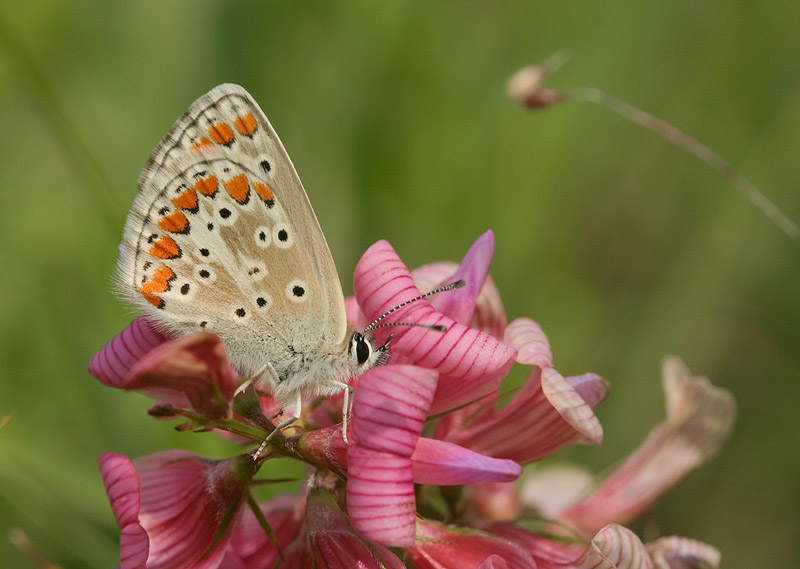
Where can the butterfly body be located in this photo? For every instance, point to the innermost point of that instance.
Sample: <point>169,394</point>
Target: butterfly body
<point>222,238</point>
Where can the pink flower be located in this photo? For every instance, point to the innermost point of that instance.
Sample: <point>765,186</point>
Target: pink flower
<point>431,444</point>
<point>613,547</point>
<point>387,455</point>
<point>550,411</point>
<point>175,509</point>
<point>329,542</point>
<point>190,371</point>
<point>471,364</point>
<point>699,419</point>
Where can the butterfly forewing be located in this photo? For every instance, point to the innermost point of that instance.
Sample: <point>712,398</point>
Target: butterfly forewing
<point>222,237</point>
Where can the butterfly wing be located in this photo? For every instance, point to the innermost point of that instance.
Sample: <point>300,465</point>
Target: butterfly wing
<point>222,237</point>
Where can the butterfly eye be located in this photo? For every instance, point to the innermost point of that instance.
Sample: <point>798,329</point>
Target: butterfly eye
<point>362,348</point>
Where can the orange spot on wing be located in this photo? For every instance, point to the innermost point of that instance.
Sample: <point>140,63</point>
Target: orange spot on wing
<point>157,284</point>
<point>246,124</point>
<point>202,144</point>
<point>187,200</point>
<point>207,186</point>
<point>165,248</point>
<point>221,133</point>
<point>175,222</point>
<point>238,188</point>
<point>263,191</point>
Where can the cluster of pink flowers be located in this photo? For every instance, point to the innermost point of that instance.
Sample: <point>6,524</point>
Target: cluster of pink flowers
<point>428,479</point>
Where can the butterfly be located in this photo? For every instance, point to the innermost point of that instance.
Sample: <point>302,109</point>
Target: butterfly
<point>222,238</point>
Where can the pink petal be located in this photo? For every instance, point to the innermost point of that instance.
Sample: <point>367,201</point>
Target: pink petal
<point>551,489</point>
<point>434,275</point>
<point>391,404</point>
<point>122,486</point>
<point>380,496</point>
<point>488,316</point>
<point>354,314</point>
<point>527,337</point>
<point>683,553</point>
<point>297,555</point>
<point>494,562</point>
<point>547,553</point>
<point>471,364</point>
<point>442,463</point>
<point>184,498</point>
<point>493,501</point>
<point>194,367</point>
<point>699,418</point>
<point>572,406</point>
<point>545,415</point>
<point>443,548</point>
<point>134,546</point>
<point>459,304</point>
<point>112,363</point>
<point>251,547</point>
<point>533,348</point>
<point>323,447</point>
<point>615,547</point>
<point>332,542</point>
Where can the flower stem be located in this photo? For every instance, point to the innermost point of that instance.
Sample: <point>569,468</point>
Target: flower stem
<point>701,151</point>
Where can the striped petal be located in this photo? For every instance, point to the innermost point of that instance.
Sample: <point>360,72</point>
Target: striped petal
<point>471,364</point>
<point>123,488</point>
<point>488,316</point>
<point>195,367</point>
<point>533,348</point>
<point>112,364</point>
<point>133,546</point>
<point>530,341</point>
<point>548,413</point>
<point>175,509</point>
<point>574,399</point>
<point>614,547</point>
<point>699,419</point>
<point>332,542</point>
<point>380,496</point>
<point>391,404</point>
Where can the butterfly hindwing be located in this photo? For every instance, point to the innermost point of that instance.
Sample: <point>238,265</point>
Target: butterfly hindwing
<point>222,237</point>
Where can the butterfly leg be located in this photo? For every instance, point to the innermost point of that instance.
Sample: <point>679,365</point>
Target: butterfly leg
<point>347,405</point>
<point>298,408</point>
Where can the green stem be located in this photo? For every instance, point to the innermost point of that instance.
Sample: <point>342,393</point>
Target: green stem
<point>701,151</point>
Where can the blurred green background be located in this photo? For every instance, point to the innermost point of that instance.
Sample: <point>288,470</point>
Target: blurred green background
<point>623,247</point>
